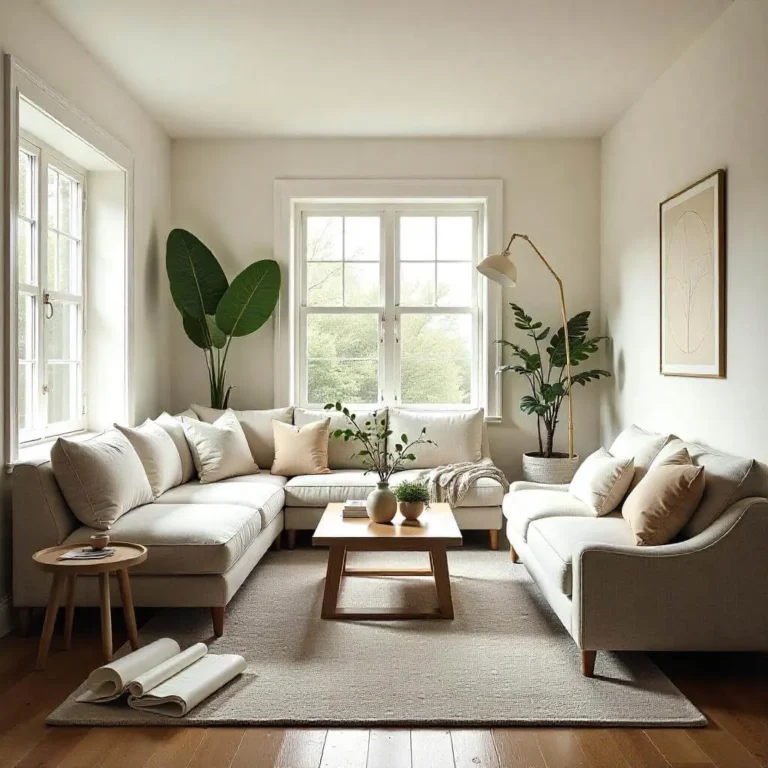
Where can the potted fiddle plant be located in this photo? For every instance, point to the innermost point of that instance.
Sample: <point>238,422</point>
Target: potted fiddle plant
<point>550,385</point>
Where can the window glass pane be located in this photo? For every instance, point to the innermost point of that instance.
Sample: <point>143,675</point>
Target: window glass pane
<point>454,238</point>
<point>53,197</point>
<point>454,285</point>
<point>25,394</point>
<point>61,379</point>
<point>324,284</point>
<point>361,285</point>
<point>62,331</point>
<point>343,358</point>
<point>26,185</point>
<point>362,238</point>
<point>64,271</point>
<point>26,327</point>
<point>436,359</point>
<point>24,252</point>
<point>417,238</point>
<point>417,285</point>
<point>324,238</point>
<point>66,204</point>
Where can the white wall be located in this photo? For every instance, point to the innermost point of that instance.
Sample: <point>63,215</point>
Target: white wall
<point>709,110</point>
<point>43,46</point>
<point>222,191</point>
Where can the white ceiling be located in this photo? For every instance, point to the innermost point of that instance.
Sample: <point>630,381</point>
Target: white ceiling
<point>387,67</point>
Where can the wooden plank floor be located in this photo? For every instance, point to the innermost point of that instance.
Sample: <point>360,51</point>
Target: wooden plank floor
<point>731,689</point>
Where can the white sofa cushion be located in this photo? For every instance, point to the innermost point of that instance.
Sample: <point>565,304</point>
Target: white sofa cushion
<point>640,446</point>
<point>101,478</point>
<point>341,455</point>
<point>522,508</point>
<point>185,538</point>
<point>220,449</point>
<point>257,427</point>
<point>458,435</point>
<point>601,481</point>
<point>553,542</point>
<point>157,453</point>
<point>486,492</point>
<point>338,485</point>
<point>261,494</point>
<point>175,429</point>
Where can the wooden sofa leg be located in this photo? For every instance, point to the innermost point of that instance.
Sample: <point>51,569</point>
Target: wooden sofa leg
<point>217,614</point>
<point>493,539</point>
<point>513,556</point>
<point>588,663</point>
<point>291,539</point>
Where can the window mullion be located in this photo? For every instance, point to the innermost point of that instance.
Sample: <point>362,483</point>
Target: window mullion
<point>41,400</point>
<point>389,267</point>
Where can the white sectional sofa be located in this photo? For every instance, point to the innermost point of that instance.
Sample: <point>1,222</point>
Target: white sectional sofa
<point>704,591</point>
<point>204,539</point>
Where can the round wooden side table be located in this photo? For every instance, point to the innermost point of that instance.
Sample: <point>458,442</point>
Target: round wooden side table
<point>66,572</point>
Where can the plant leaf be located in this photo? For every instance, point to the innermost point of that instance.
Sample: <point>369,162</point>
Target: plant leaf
<point>249,302</point>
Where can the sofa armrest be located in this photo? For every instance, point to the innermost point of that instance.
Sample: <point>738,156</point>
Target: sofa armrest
<point>525,485</point>
<point>705,593</point>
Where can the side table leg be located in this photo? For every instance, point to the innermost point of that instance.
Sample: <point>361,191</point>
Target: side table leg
<point>130,617</point>
<point>442,582</point>
<point>106,617</point>
<point>69,614</point>
<point>50,619</point>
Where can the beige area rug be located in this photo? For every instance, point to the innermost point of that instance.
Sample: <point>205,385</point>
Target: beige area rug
<point>504,660</point>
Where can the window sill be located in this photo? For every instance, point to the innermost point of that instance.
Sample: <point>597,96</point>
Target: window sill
<point>42,449</point>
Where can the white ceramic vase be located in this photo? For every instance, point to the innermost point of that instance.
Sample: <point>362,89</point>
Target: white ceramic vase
<point>381,504</point>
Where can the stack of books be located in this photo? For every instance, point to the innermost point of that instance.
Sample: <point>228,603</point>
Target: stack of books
<point>87,553</point>
<point>354,509</point>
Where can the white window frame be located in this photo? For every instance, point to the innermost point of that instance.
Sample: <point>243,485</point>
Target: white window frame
<point>45,158</point>
<point>389,198</point>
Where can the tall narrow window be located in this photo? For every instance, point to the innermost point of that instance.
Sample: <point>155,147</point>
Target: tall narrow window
<point>390,309</point>
<point>51,294</point>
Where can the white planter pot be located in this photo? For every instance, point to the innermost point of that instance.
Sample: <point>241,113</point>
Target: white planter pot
<point>558,470</point>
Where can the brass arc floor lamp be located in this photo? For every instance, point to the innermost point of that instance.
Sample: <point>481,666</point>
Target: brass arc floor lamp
<point>501,269</point>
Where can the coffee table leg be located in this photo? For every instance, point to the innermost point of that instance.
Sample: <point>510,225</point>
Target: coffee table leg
<point>130,617</point>
<point>50,619</point>
<point>442,581</point>
<point>106,617</point>
<point>69,614</point>
<point>336,558</point>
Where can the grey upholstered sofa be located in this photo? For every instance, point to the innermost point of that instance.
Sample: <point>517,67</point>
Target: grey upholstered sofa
<point>204,540</point>
<point>705,591</point>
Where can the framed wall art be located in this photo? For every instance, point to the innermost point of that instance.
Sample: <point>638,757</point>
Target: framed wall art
<point>692,280</point>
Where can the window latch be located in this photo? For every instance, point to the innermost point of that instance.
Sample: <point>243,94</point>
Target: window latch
<point>48,306</point>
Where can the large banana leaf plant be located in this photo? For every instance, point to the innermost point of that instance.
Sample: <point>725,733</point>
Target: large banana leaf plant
<point>213,310</point>
<point>548,379</point>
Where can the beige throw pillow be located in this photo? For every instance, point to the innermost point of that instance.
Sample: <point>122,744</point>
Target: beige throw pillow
<point>175,430</point>
<point>602,480</point>
<point>219,450</point>
<point>663,502</point>
<point>158,455</point>
<point>301,450</point>
<point>670,458</point>
<point>101,479</point>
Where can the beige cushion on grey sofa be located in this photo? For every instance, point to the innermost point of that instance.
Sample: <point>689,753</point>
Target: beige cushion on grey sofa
<point>641,446</point>
<point>158,455</point>
<point>257,426</point>
<point>554,541</point>
<point>173,426</point>
<point>319,490</point>
<point>521,508</point>
<point>185,538</point>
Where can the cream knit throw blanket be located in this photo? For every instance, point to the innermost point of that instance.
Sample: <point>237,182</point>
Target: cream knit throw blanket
<point>451,482</point>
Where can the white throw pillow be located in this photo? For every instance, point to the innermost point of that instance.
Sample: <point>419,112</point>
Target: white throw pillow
<point>220,449</point>
<point>602,481</point>
<point>158,455</point>
<point>458,435</point>
<point>175,429</point>
<point>257,426</point>
<point>101,479</point>
<point>641,446</point>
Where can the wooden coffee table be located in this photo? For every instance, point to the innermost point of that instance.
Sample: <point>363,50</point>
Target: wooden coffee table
<point>435,530</point>
<point>66,571</point>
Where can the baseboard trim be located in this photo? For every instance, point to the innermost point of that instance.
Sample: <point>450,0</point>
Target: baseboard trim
<point>6,615</point>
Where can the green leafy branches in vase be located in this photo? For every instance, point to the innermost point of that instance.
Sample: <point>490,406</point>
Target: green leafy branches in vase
<point>213,310</point>
<point>373,435</point>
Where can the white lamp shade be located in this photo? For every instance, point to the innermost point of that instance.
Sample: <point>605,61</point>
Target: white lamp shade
<point>500,268</point>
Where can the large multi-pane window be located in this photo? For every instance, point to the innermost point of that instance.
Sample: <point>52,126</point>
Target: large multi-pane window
<point>50,277</point>
<point>389,310</point>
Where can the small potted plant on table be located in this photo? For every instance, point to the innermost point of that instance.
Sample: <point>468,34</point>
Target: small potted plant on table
<point>412,496</point>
